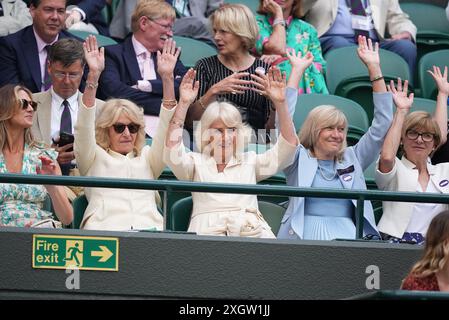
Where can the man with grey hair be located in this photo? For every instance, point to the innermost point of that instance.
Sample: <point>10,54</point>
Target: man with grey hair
<point>58,106</point>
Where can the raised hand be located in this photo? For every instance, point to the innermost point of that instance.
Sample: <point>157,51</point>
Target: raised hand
<point>400,98</point>
<point>440,79</point>
<point>94,55</point>
<point>271,85</point>
<point>188,89</point>
<point>368,53</point>
<point>298,61</point>
<point>232,84</point>
<point>49,167</point>
<point>166,59</point>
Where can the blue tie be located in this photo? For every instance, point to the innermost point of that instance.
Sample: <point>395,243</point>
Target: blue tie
<point>66,118</point>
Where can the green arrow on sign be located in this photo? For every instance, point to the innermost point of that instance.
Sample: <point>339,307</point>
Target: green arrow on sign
<point>104,253</point>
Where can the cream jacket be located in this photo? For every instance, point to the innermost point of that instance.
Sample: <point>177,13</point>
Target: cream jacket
<point>119,209</point>
<point>209,209</point>
<point>387,15</point>
<point>404,177</point>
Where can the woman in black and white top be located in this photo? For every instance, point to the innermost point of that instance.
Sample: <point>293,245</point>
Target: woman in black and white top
<point>227,76</point>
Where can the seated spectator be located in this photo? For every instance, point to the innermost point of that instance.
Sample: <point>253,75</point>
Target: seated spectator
<point>113,145</point>
<point>339,23</point>
<point>226,76</point>
<point>21,205</point>
<point>23,55</point>
<point>281,29</point>
<point>131,66</point>
<point>191,18</point>
<point>58,106</point>
<point>87,15</point>
<point>420,134</point>
<point>220,137</point>
<point>14,15</point>
<point>323,160</point>
<point>431,273</point>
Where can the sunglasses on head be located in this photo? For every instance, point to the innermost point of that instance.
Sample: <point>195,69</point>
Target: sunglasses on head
<point>26,103</point>
<point>120,127</point>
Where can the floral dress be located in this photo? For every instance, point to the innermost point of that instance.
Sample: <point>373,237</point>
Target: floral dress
<point>21,205</point>
<point>301,37</point>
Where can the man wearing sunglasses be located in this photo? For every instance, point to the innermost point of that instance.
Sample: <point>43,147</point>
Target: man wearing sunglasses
<point>130,71</point>
<point>58,106</point>
<point>23,55</point>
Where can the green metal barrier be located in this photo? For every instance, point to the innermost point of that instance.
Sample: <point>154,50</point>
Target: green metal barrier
<point>187,186</point>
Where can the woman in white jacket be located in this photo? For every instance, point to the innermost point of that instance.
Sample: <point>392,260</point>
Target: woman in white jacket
<point>113,145</point>
<point>420,134</point>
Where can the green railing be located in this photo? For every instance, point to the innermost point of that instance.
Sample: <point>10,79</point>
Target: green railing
<point>187,186</point>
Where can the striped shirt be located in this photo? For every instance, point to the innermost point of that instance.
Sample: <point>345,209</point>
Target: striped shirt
<point>254,108</point>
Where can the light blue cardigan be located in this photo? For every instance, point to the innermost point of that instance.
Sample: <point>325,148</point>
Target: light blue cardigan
<point>304,167</point>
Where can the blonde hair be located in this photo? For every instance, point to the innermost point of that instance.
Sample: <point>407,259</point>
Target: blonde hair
<point>10,104</point>
<point>296,9</point>
<point>231,117</point>
<point>238,20</point>
<point>436,250</point>
<point>319,118</point>
<point>110,112</point>
<point>154,9</point>
<point>423,121</point>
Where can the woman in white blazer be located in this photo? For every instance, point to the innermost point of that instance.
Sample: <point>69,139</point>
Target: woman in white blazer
<point>113,145</point>
<point>220,137</point>
<point>420,134</point>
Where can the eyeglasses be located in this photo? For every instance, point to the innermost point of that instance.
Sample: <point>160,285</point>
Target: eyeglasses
<point>167,27</point>
<point>61,75</point>
<point>26,103</point>
<point>425,136</point>
<point>120,127</point>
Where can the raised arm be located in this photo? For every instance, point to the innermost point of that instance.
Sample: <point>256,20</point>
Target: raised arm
<point>369,55</point>
<point>299,65</point>
<point>188,91</point>
<point>95,61</point>
<point>273,86</point>
<point>440,114</point>
<point>393,137</point>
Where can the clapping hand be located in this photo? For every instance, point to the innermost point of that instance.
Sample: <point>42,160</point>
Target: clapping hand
<point>368,53</point>
<point>166,59</point>
<point>400,98</point>
<point>272,85</point>
<point>94,55</point>
<point>188,89</point>
<point>440,79</point>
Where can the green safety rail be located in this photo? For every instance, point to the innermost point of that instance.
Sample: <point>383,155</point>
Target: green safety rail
<point>187,186</point>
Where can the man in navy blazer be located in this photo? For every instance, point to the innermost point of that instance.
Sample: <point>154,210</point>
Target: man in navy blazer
<point>131,67</point>
<point>23,54</point>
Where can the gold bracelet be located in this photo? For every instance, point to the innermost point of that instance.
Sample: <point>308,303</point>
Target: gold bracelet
<point>169,103</point>
<point>179,124</point>
<point>169,100</point>
<point>200,101</point>
<point>91,85</point>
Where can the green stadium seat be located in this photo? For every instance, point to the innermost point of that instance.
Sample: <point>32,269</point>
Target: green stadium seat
<point>438,58</point>
<point>181,211</point>
<point>347,76</point>
<point>251,4</point>
<point>79,206</point>
<point>357,118</point>
<point>102,40</point>
<point>193,50</point>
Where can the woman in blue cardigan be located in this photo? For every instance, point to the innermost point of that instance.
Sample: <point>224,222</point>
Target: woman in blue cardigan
<point>323,160</point>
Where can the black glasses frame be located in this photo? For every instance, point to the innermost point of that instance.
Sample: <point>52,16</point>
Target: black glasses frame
<point>120,127</point>
<point>413,132</point>
<point>25,103</point>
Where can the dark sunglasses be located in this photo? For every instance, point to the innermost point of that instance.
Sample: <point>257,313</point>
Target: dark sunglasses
<point>120,127</point>
<point>26,103</point>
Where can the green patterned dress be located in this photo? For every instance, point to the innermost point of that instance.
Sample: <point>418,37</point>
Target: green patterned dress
<point>21,205</point>
<point>301,37</point>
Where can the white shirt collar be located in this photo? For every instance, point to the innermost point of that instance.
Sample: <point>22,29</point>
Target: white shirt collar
<point>139,48</point>
<point>73,100</point>
<point>41,44</point>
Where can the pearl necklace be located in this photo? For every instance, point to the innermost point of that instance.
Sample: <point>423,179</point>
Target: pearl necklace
<point>324,176</point>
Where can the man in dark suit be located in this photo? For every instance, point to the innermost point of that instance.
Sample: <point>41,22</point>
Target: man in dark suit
<point>131,67</point>
<point>23,54</point>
